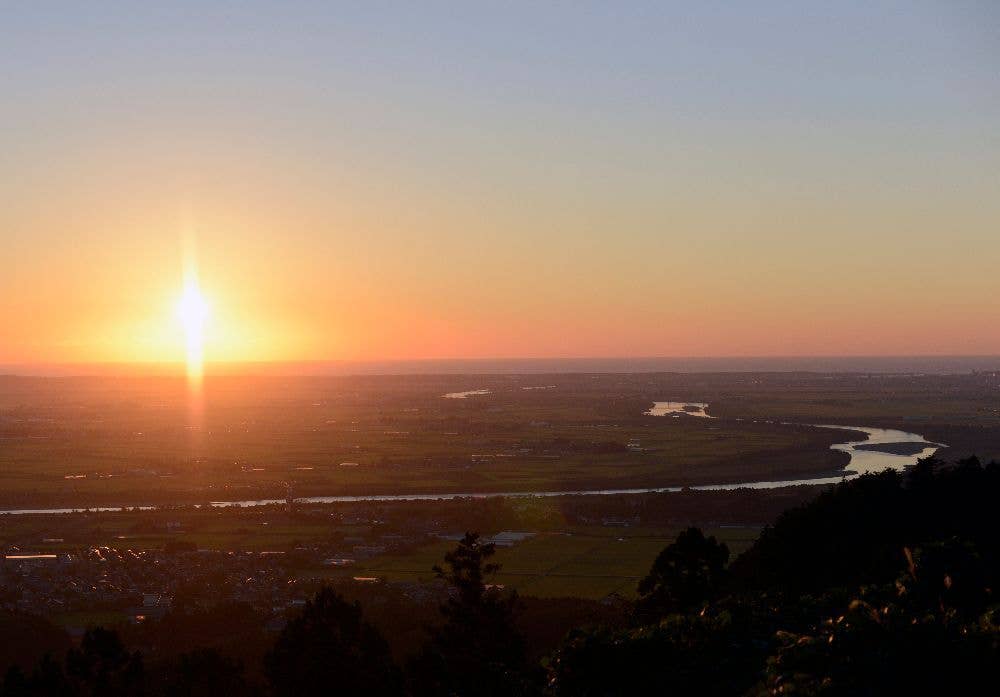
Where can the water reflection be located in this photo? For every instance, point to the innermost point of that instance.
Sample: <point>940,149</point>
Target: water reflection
<point>463,395</point>
<point>677,409</point>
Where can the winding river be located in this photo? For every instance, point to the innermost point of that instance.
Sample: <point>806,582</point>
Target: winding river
<point>865,457</point>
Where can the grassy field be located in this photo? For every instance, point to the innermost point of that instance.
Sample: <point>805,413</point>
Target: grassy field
<point>205,530</point>
<point>587,562</point>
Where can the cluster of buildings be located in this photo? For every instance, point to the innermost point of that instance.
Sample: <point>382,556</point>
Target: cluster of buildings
<point>143,584</point>
<point>139,584</point>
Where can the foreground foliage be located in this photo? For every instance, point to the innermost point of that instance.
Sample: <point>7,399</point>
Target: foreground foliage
<point>882,586</point>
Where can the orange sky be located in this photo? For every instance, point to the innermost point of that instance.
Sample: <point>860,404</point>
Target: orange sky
<point>587,188</point>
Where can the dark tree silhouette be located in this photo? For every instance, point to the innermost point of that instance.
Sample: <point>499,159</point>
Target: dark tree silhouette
<point>881,585</point>
<point>102,667</point>
<point>330,649</point>
<point>205,673</point>
<point>855,533</point>
<point>478,650</point>
<point>686,574</point>
<point>46,680</point>
<point>901,639</point>
<point>233,629</point>
<point>15,683</point>
<point>25,638</point>
<point>680,655</point>
<point>467,571</point>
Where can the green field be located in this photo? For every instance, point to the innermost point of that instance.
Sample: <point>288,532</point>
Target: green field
<point>213,529</point>
<point>591,562</point>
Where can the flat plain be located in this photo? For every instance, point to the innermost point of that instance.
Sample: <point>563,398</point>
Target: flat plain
<point>128,441</point>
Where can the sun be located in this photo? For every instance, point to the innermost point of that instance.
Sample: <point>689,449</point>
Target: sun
<point>193,313</point>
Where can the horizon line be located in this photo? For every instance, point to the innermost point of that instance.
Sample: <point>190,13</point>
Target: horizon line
<point>505,365</point>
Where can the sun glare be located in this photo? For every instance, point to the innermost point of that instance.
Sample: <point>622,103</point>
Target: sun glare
<point>193,311</point>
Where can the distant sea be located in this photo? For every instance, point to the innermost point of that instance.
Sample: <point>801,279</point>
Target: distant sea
<point>936,365</point>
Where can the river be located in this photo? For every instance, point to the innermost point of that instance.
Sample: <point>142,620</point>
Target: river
<point>862,461</point>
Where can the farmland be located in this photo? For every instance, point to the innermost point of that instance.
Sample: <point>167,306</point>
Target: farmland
<point>117,441</point>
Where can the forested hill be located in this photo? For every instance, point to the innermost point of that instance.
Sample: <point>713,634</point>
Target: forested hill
<point>883,585</point>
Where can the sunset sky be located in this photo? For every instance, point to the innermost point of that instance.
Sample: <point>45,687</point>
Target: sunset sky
<point>368,181</point>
